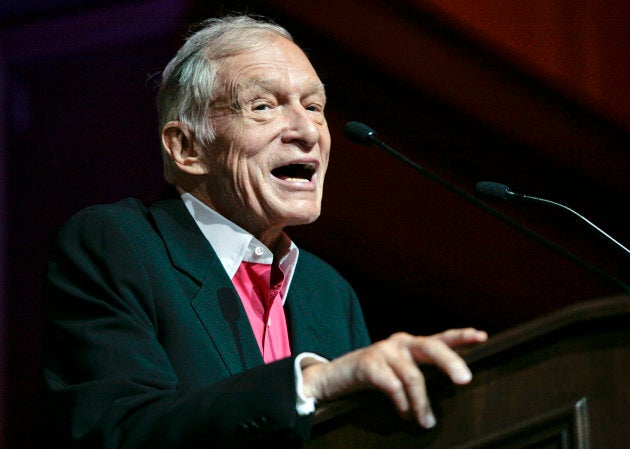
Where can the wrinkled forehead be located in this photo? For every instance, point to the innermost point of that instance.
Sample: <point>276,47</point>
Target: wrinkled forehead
<point>270,65</point>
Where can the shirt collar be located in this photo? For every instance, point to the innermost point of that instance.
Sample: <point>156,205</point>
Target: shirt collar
<point>232,243</point>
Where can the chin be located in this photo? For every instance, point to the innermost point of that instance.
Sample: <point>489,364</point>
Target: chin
<point>301,219</point>
<point>295,213</point>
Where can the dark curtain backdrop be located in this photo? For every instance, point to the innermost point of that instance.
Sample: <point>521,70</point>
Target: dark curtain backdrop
<point>536,98</point>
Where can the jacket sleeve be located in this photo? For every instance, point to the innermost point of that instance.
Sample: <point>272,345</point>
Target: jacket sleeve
<point>108,380</point>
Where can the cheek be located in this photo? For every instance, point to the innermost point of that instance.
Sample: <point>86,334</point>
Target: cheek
<point>325,158</point>
<point>229,150</point>
<point>325,142</point>
<point>244,144</point>
<point>244,167</point>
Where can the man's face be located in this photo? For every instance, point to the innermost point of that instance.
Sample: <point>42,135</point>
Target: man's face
<point>267,165</point>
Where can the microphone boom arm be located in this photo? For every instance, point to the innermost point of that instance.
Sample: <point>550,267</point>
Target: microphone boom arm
<point>364,135</point>
<point>524,197</point>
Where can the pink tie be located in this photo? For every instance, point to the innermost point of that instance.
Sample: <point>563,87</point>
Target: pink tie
<point>259,286</point>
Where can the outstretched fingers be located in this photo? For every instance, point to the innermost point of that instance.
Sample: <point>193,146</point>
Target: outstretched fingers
<point>462,337</point>
<point>438,350</point>
<point>393,366</point>
<point>397,374</point>
<point>414,390</point>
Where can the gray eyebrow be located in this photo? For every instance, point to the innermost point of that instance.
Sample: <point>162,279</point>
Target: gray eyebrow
<point>266,83</point>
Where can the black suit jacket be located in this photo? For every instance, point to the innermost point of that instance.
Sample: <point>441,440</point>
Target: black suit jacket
<point>147,344</point>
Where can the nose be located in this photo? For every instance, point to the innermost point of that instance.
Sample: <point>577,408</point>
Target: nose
<point>301,127</point>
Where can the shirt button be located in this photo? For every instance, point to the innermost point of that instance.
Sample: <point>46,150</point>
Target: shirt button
<point>259,251</point>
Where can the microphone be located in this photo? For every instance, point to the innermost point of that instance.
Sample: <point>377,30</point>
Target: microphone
<point>494,190</point>
<point>362,134</point>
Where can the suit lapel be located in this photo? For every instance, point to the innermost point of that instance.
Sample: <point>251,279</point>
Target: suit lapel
<point>220,310</point>
<point>303,317</point>
<point>215,301</point>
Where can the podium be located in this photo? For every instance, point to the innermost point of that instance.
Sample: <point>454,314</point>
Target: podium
<point>559,381</point>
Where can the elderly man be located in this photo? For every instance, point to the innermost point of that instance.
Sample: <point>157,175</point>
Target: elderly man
<point>196,321</point>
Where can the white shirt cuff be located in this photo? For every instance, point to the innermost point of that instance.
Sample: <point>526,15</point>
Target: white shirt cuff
<point>305,405</point>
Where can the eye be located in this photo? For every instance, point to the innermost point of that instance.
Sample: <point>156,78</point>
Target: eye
<point>314,104</point>
<point>261,102</point>
<point>261,107</point>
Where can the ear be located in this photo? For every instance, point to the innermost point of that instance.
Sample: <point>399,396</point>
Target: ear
<point>181,146</point>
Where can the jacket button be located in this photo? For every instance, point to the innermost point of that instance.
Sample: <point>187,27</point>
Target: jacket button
<point>243,427</point>
<point>259,421</point>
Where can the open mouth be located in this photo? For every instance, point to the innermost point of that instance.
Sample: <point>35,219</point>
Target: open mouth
<point>295,172</point>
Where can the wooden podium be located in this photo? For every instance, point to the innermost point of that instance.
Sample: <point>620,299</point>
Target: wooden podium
<point>559,381</point>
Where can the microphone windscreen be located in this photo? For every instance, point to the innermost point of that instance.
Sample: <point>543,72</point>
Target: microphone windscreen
<point>359,133</point>
<point>492,189</point>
